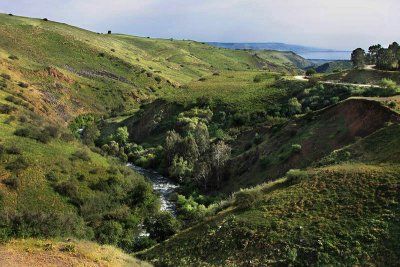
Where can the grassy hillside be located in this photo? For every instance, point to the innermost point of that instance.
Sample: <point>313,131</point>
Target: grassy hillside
<point>337,215</point>
<point>46,253</point>
<point>83,71</point>
<point>316,135</point>
<point>334,66</point>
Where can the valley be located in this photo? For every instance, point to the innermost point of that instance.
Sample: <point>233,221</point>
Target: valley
<point>222,157</point>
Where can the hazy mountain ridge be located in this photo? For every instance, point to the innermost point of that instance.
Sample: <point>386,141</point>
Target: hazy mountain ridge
<point>273,46</point>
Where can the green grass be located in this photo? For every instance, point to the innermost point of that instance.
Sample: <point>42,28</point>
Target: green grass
<point>235,89</point>
<point>341,215</point>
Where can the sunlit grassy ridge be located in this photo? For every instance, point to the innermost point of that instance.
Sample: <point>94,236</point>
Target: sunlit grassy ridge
<point>43,253</point>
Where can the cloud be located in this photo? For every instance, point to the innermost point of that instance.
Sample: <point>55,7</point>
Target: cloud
<point>338,24</point>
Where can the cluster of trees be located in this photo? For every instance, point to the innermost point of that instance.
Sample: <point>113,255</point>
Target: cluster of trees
<point>191,157</point>
<point>383,58</point>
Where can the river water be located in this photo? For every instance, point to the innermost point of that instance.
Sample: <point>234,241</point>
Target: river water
<point>163,186</point>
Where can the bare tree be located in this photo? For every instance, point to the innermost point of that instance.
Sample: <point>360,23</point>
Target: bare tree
<point>220,154</point>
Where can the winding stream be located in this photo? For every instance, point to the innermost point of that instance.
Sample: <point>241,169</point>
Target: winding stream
<point>162,185</point>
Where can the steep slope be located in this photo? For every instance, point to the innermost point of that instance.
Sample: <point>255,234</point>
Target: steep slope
<point>344,213</point>
<point>301,141</point>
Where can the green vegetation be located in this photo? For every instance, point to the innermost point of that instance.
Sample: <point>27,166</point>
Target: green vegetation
<point>383,58</point>
<point>272,170</point>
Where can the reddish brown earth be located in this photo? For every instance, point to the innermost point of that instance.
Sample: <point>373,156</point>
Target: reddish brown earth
<point>318,134</point>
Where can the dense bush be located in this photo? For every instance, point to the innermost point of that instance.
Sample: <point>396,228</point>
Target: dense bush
<point>161,226</point>
<point>14,150</point>
<point>247,198</point>
<point>5,76</point>
<point>19,164</point>
<point>80,155</point>
<point>11,182</point>
<point>23,85</point>
<point>41,135</point>
<point>294,176</point>
<point>6,109</point>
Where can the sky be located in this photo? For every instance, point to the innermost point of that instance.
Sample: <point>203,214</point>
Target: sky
<point>336,24</point>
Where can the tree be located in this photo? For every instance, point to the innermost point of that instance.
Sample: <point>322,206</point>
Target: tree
<point>110,232</point>
<point>109,32</point>
<point>387,60</point>
<point>122,136</point>
<point>294,106</point>
<point>220,154</point>
<point>310,72</point>
<point>358,58</point>
<point>90,133</point>
<point>171,147</point>
<point>373,53</point>
<point>161,226</point>
<point>202,137</point>
<point>190,151</point>
<point>202,171</point>
<point>180,168</point>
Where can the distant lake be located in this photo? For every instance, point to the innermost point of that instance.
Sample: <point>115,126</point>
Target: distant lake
<point>336,55</point>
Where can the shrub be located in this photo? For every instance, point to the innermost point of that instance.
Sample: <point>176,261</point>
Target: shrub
<point>112,50</point>
<point>52,131</point>
<point>67,137</point>
<point>311,72</point>
<point>110,232</point>
<point>202,79</point>
<point>388,83</point>
<point>23,85</point>
<point>6,76</point>
<point>247,198</point>
<point>45,19</point>
<point>68,248</point>
<point>52,177</point>
<point>296,148</point>
<point>102,54</point>
<point>161,226</point>
<point>23,132</point>
<point>294,176</point>
<point>6,109</point>
<point>18,164</point>
<point>157,79</point>
<point>14,150</point>
<point>2,150</point>
<point>13,57</point>
<point>80,155</point>
<point>392,104</point>
<point>219,134</point>
<point>11,182</point>
<point>109,32</point>
<point>70,190</point>
<point>141,243</point>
